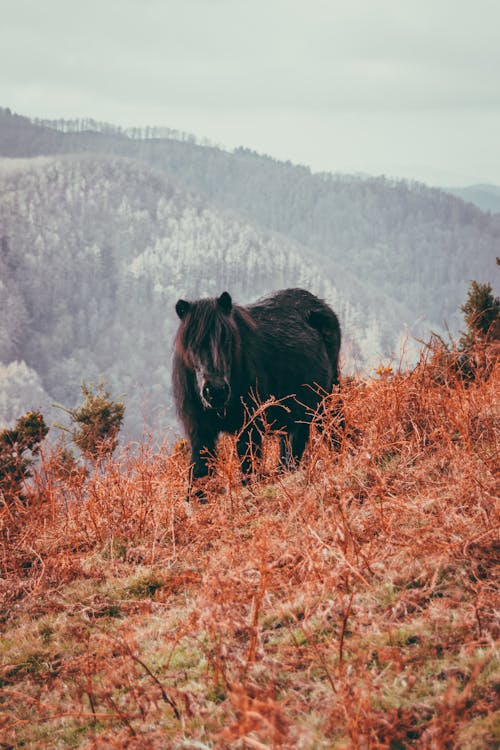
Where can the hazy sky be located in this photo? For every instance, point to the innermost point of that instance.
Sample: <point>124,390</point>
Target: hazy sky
<point>400,87</point>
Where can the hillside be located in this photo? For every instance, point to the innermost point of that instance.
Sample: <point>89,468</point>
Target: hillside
<point>417,246</point>
<point>351,604</point>
<point>95,251</point>
<point>486,197</point>
<point>102,229</point>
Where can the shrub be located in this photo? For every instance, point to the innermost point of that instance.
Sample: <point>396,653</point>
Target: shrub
<point>18,446</point>
<point>482,316</point>
<point>97,422</point>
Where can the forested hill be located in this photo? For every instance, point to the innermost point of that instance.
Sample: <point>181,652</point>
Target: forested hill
<point>95,250</point>
<point>102,230</point>
<point>417,245</point>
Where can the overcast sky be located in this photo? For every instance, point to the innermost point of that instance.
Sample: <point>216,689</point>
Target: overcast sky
<point>398,87</point>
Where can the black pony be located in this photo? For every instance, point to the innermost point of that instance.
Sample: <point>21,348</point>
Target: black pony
<point>228,357</point>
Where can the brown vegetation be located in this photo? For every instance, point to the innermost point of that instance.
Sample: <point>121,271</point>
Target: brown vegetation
<point>351,604</point>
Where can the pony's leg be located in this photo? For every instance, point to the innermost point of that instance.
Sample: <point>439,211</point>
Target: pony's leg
<point>300,436</point>
<point>202,448</point>
<point>285,451</point>
<point>292,445</point>
<point>338,425</point>
<point>249,447</point>
<point>331,420</point>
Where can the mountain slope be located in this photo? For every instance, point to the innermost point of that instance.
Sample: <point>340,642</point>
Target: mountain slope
<point>350,604</point>
<point>417,246</point>
<point>95,252</point>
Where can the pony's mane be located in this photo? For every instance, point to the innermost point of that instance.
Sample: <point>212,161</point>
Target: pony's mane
<point>204,325</point>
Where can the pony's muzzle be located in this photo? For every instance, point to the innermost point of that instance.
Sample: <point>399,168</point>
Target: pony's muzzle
<point>216,395</point>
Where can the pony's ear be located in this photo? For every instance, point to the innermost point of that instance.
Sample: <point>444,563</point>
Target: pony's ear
<point>182,308</point>
<point>225,302</point>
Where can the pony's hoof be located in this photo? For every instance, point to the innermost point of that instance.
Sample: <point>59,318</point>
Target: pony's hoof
<point>197,495</point>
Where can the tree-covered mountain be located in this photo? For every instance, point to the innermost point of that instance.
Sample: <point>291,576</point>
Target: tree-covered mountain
<point>417,245</point>
<point>95,251</point>
<point>101,230</point>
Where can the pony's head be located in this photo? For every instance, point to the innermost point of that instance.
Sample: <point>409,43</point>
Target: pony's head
<point>208,342</point>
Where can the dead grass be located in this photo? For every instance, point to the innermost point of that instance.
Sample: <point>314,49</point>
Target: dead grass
<point>351,604</point>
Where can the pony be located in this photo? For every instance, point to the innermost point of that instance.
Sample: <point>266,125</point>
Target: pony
<point>227,358</point>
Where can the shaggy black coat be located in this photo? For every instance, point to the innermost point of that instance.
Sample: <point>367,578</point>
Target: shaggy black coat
<point>227,358</point>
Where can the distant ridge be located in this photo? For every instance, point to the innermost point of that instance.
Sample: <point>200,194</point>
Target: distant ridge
<point>486,197</point>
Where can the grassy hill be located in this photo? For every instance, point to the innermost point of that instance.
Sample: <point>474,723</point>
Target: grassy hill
<point>351,604</point>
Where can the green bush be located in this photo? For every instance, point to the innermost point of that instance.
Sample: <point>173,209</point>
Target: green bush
<point>97,422</point>
<point>18,447</point>
<point>482,316</point>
